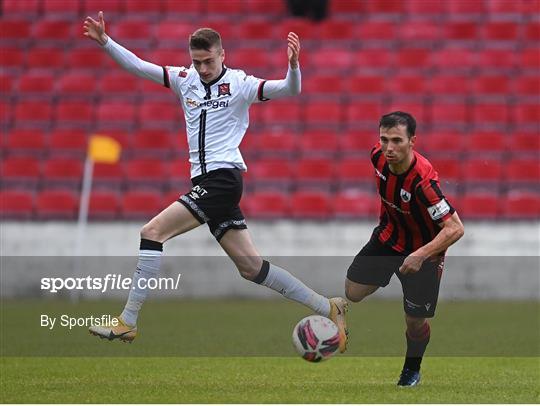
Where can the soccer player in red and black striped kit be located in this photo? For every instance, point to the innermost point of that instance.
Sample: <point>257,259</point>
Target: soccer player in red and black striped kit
<point>417,224</point>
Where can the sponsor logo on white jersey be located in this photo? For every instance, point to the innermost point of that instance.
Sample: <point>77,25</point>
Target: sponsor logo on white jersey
<point>212,104</point>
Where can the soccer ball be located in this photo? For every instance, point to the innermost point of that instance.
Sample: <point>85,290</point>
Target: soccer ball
<point>316,338</point>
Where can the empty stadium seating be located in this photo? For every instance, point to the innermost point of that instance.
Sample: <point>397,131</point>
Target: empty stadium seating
<point>468,70</point>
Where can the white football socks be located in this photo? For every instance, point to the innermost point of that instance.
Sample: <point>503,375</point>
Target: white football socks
<point>292,288</point>
<point>147,268</point>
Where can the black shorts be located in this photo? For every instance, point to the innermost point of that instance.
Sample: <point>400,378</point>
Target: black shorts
<point>376,263</point>
<point>215,198</point>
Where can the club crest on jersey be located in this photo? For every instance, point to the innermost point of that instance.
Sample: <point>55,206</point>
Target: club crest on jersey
<point>405,196</point>
<point>182,73</point>
<point>224,89</point>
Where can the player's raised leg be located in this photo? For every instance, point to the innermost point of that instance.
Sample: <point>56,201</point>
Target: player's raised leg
<point>172,221</point>
<point>240,248</point>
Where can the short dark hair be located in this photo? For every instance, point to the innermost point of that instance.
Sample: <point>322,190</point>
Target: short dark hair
<point>204,38</point>
<point>396,118</point>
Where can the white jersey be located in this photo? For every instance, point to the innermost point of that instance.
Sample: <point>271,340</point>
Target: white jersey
<point>216,115</point>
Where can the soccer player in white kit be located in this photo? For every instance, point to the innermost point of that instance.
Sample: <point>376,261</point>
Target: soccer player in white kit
<point>215,100</point>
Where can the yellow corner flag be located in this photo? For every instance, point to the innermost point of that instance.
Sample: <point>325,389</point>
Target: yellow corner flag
<point>103,149</point>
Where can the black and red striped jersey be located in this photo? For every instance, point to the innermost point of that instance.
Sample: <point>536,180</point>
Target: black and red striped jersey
<point>412,203</point>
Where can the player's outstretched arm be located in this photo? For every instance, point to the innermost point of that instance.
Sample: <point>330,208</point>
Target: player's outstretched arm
<point>292,84</point>
<point>451,230</point>
<point>128,60</point>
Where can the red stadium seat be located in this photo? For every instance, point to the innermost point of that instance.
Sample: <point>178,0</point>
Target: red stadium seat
<point>408,84</point>
<point>132,29</point>
<point>248,59</point>
<point>528,85</point>
<point>419,30</point>
<point>418,7</point>
<point>482,170</point>
<point>364,84</point>
<point>266,7</point>
<point>85,58</point>
<point>321,85</point>
<point>104,205</point>
<point>523,170</point>
<point>486,142</point>
<point>75,112</point>
<point>257,29</point>
<point>521,205</point>
<point>26,140</point>
<point>525,142</point>
<point>282,143</point>
<point>265,205</point>
<point>448,169</point>
<point>7,82</point>
<point>271,170</point>
<point>174,31</point>
<point>461,30</point>
<point>52,7</point>
<point>63,169</point>
<point>441,142</point>
<point>318,141</point>
<point>532,31</point>
<point>346,7</point>
<point>310,205</point>
<point>107,6</point>
<point>153,141</point>
<point>231,7</point>
<point>449,113</point>
<point>59,30</point>
<point>166,57</point>
<point>108,174</point>
<point>413,58</point>
<point>178,173</point>
<point>528,113</point>
<point>116,112</point>
<point>328,113</point>
<point>376,30</point>
<point>336,30</point>
<point>500,31</point>
<point>491,85</point>
<point>33,111</point>
<point>385,6</point>
<point>490,113</point>
<point>529,7</point>
<point>160,113</point>
<point>417,109</point>
<point>141,204</point>
<point>16,203</point>
<point>148,170</point>
<point>359,142</point>
<point>19,169</point>
<point>72,141</point>
<point>314,170</point>
<point>119,82</point>
<point>479,205</point>
<point>450,84</point>
<point>12,57</point>
<point>357,170</point>
<point>17,7</point>
<point>448,59</point>
<point>341,60</point>
<point>146,7</point>
<point>530,59</point>
<point>354,204</point>
<point>497,59</point>
<point>281,111</point>
<point>465,7</point>
<point>363,112</point>
<point>378,58</point>
<point>222,25</point>
<point>77,83</point>
<point>57,204</point>
<point>189,7</point>
<point>45,58</point>
<point>503,7</point>
<point>306,29</point>
<point>12,30</point>
<point>36,82</point>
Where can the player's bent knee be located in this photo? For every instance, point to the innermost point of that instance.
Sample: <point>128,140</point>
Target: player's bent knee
<point>356,292</point>
<point>150,232</point>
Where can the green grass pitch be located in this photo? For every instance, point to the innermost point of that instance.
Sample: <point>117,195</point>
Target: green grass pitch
<point>240,352</point>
